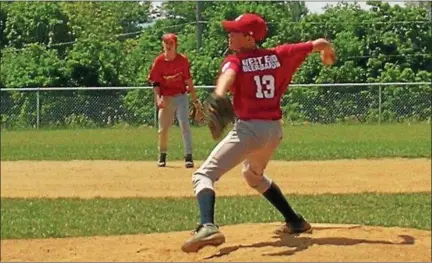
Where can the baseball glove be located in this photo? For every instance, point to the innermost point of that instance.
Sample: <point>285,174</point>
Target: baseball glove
<point>196,113</point>
<point>219,113</point>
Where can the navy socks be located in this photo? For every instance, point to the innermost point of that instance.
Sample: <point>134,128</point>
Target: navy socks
<point>277,199</point>
<point>206,202</point>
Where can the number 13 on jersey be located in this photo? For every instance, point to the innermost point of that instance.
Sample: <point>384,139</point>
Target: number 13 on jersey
<point>265,86</point>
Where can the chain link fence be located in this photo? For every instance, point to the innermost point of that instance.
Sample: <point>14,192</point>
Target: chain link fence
<point>134,106</point>
<point>359,103</point>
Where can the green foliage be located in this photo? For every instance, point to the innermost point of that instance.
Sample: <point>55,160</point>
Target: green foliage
<point>114,44</point>
<point>33,66</point>
<point>140,106</point>
<point>3,17</point>
<point>42,23</point>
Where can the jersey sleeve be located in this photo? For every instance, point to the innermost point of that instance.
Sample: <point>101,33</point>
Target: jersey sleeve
<point>288,50</point>
<point>155,74</point>
<point>231,62</point>
<point>295,53</point>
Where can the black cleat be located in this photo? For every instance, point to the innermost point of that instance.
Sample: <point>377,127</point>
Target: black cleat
<point>162,160</point>
<point>297,227</point>
<point>189,161</point>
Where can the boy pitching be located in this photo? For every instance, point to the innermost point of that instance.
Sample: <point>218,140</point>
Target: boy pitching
<point>257,79</point>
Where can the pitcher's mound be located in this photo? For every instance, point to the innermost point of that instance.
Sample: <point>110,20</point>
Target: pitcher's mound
<point>247,242</point>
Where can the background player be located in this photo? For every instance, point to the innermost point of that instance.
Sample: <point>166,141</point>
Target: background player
<point>171,79</point>
<point>257,79</point>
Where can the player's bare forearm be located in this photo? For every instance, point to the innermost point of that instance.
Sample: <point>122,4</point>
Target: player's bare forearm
<point>224,82</point>
<point>321,44</point>
<point>191,89</point>
<point>156,90</point>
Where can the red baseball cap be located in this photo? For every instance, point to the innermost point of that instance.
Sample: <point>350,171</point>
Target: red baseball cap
<point>247,23</point>
<point>169,36</point>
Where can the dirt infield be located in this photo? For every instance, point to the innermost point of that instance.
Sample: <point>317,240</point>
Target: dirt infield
<point>245,242</point>
<point>87,179</point>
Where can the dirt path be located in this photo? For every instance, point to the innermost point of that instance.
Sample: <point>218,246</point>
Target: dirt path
<point>89,179</point>
<point>245,242</point>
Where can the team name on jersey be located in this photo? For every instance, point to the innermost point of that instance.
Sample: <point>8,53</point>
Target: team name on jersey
<point>172,76</point>
<point>260,63</point>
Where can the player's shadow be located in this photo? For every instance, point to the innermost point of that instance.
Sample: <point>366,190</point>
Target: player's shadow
<point>298,243</point>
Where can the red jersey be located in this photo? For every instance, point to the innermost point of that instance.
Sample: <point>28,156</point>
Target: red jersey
<point>263,76</point>
<point>171,75</point>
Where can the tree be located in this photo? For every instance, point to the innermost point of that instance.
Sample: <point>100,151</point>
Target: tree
<point>421,4</point>
<point>113,44</point>
<point>29,22</point>
<point>3,17</point>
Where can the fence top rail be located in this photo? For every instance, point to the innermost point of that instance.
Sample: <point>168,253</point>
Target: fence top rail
<point>212,86</point>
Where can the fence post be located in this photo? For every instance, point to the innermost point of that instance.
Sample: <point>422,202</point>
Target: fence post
<point>379,104</point>
<point>37,108</point>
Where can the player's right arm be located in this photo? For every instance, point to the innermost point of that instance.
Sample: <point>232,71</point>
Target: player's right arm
<point>298,52</point>
<point>158,98</point>
<point>226,79</point>
<point>155,78</point>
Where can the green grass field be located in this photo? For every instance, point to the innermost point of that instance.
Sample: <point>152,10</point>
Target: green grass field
<point>38,218</point>
<point>41,218</point>
<point>320,142</point>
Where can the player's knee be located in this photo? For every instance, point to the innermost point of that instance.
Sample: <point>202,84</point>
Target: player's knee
<point>251,178</point>
<point>184,126</point>
<point>163,131</point>
<point>201,182</point>
<point>259,182</point>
